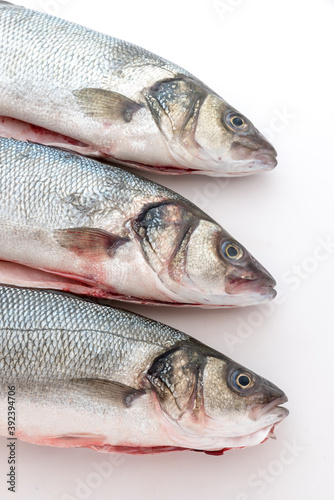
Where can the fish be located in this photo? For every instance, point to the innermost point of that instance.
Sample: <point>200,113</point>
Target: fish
<point>86,375</point>
<point>74,224</point>
<point>108,98</point>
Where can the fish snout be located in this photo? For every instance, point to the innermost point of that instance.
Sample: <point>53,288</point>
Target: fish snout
<point>256,151</point>
<point>266,159</point>
<point>254,279</point>
<point>267,399</point>
<point>272,407</point>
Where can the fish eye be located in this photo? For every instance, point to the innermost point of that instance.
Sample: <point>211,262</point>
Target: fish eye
<point>243,380</point>
<point>236,121</point>
<point>232,251</point>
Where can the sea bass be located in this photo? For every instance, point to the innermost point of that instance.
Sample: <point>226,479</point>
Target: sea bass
<point>105,97</point>
<point>72,223</point>
<point>87,375</point>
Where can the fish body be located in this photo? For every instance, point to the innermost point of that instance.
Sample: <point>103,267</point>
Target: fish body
<point>74,224</point>
<point>107,379</point>
<point>106,97</point>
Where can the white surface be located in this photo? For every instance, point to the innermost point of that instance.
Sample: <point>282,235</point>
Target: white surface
<point>263,57</point>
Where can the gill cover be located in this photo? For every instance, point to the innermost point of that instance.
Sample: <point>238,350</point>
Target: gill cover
<point>164,230</point>
<point>175,104</point>
<point>176,377</point>
<point>205,133</point>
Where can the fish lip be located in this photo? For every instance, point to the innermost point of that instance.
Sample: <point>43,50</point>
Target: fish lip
<point>255,165</point>
<point>262,162</point>
<point>254,158</point>
<point>268,161</point>
<point>273,407</point>
<point>264,287</point>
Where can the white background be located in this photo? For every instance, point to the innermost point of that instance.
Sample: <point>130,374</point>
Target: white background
<point>266,59</point>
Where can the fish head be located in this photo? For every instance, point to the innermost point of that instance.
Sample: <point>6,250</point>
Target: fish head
<point>229,142</point>
<point>204,133</point>
<point>210,402</point>
<point>240,401</point>
<point>223,270</point>
<point>197,261</point>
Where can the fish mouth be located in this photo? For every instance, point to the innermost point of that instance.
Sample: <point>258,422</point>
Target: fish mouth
<point>264,161</point>
<point>262,287</point>
<point>271,410</point>
<point>253,158</point>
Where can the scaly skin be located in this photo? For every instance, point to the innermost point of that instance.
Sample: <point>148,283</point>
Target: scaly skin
<point>94,376</point>
<point>100,230</point>
<point>121,100</point>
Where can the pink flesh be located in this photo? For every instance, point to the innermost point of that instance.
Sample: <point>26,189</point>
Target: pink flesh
<point>97,443</point>
<point>23,131</point>
<point>19,275</point>
<point>15,274</point>
<point>130,450</point>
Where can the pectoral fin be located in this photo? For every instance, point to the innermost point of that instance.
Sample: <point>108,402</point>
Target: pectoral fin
<point>102,389</point>
<point>92,242</point>
<point>106,105</point>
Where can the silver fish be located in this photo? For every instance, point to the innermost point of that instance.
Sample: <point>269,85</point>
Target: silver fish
<point>87,375</point>
<point>106,97</point>
<point>75,224</point>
